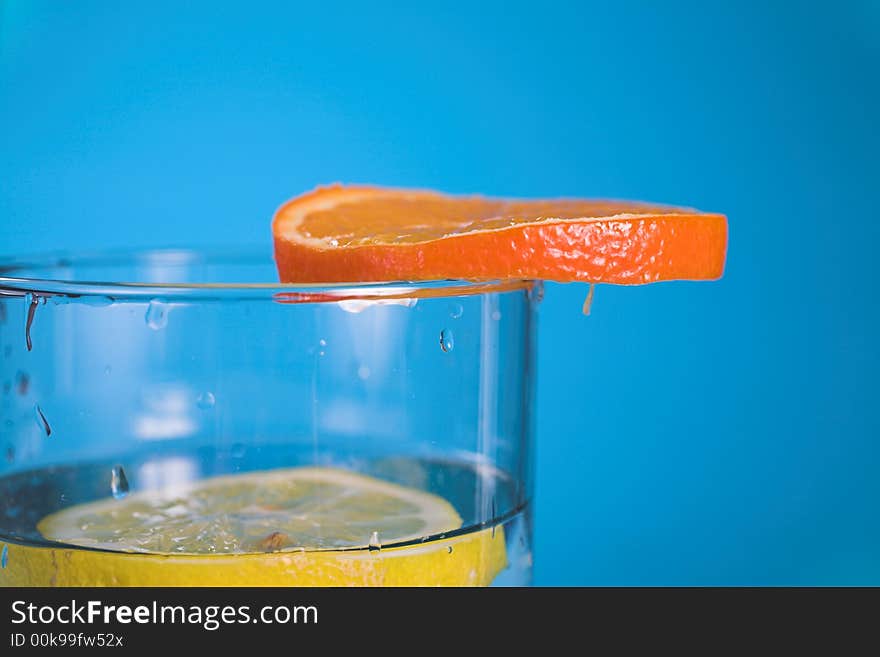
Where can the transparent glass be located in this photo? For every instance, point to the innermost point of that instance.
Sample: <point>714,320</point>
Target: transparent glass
<point>138,376</point>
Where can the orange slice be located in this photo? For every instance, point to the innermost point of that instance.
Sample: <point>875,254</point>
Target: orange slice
<point>369,234</point>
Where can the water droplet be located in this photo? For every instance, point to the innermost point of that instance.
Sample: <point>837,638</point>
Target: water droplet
<point>63,498</point>
<point>363,372</point>
<point>334,242</point>
<point>206,400</point>
<point>496,315</point>
<point>157,315</point>
<point>375,545</point>
<point>22,383</point>
<point>456,310</point>
<point>450,549</point>
<point>108,370</point>
<point>4,556</point>
<point>588,302</point>
<point>536,292</point>
<point>322,343</point>
<point>41,420</point>
<point>447,340</point>
<point>118,482</point>
<point>32,301</point>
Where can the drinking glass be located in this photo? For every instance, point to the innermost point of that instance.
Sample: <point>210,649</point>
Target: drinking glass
<point>129,374</point>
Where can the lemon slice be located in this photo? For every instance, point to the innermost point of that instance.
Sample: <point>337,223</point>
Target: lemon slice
<point>290,527</point>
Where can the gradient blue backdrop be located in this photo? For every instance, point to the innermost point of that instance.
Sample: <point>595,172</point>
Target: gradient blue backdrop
<point>722,433</point>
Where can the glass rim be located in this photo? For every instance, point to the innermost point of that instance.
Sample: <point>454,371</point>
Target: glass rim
<point>19,285</point>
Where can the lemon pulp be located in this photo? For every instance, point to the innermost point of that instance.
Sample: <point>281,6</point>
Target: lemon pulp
<point>288,527</point>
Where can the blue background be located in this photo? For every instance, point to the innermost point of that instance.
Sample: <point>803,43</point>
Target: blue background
<point>715,433</point>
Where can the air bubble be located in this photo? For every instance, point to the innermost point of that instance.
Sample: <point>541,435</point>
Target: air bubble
<point>157,315</point>
<point>118,482</point>
<point>206,400</point>
<point>447,340</point>
<point>375,545</point>
<point>4,556</point>
<point>456,310</point>
<point>42,422</point>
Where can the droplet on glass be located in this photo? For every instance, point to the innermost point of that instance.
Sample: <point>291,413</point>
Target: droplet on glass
<point>22,383</point>
<point>536,292</point>
<point>157,315</point>
<point>493,516</point>
<point>206,400</point>
<point>96,301</point>
<point>4,556</point>
<point>42,421</point>
<point>456,310</point>
<point>375,545</point>
<point>118,482</point>
<point>447,340</point>
<point>588,302</point>
<point>31,301</point>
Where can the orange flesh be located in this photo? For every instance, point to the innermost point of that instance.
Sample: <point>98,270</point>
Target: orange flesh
<point>406,221</point>
<point>352,234</point>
